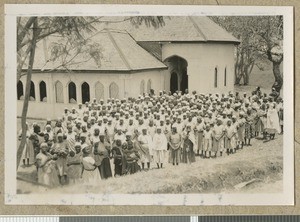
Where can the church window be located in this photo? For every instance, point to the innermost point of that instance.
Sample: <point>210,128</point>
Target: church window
<point>85,92</point>
<point>20,90</point>
<point>32,92</point>
<point>149,85</point>
<point>114,91</point>
<point>72,92</point>
<point>43,92</point>
<point>216,78</point>
<point>225,77</point>
<point>142,87</point>
<point>99,91</point>
<point>59,91</point>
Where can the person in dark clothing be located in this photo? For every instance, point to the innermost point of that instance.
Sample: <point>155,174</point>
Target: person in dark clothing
<point>102,153</point>
<point>117,154</point>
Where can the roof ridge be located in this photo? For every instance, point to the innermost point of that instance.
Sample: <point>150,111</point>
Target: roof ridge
<point>198,28</point>
<point>118,49</point>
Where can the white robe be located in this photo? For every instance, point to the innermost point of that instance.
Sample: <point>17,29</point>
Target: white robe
<point>273,120</point>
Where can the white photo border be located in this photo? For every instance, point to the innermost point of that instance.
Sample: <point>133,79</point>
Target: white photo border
<point>12,11</point>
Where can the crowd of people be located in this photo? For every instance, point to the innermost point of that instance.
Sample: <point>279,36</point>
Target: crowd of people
<point>98,140</point>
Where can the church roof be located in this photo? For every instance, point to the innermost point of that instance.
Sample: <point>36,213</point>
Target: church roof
<point>176,29</point>
<point>118,45</point>
<point>118,52</point>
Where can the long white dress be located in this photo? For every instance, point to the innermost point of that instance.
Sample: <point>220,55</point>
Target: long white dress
<point>91,174</point>
<point>272,121</point>
<point>160,146</point>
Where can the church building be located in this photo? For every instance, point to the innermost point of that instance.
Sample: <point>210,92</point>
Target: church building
<point>186,53</point>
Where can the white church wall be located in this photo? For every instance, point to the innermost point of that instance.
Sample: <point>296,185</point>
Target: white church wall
<point>202,59</point>
<point>133,82</point>
<point>128,84</point>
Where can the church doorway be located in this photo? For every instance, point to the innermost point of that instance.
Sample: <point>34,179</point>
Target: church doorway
<point>173,82</point>
<point>184,81</point>
<point>179,76</point>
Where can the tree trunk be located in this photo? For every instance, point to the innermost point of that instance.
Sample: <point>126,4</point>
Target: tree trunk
<point>27,92</point>
<point>277,75</point>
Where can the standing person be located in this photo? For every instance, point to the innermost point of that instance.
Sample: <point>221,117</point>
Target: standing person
<point>28,155</point>
<point>160,146</point>
<point>117,154</point>
<point>95,137</point>
<point>74,163</point>
<point>175,143</point>
<point>46,167</point>
<point>151,128</point>
<point>90,174</point>
<point>119,136</point>
<point>102,153</point>
<point>273,125</point>
<point>131,127</point>
<point>241,130</point>
<point>179,125</point>
<point>48,130</point>
<point>71,138</point>
<point>261,123</point>
<point>207,142</point>
<point>199,136</point>
<point>144,143</point>
<point>61,150</point>
<point>230,137</point>
<point>110,131</point>
<point>189,144</point>
<point>279,107</point>
<point>249,128</point>
<point>58,128</point>
<point>132,157</point>
<point>218,138</point>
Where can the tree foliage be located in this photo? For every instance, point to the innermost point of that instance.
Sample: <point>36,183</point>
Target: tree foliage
<point>261,39</point>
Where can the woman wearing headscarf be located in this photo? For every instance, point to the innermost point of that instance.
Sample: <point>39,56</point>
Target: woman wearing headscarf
<point>60,149</point>
<point>273,125</point>
<point>90,174</point>
<point>46,167</point>
<point>144,143</point>
<point>28,155</point>
<point>189,145</point>
<point>102,153</point>
<point>160,146</point>
<point>175,143</point>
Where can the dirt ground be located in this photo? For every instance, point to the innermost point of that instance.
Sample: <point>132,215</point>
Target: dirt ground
<point>260,163</point>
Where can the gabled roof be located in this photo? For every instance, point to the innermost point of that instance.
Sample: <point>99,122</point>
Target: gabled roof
<point>176,29</point>
<point>118,52</point>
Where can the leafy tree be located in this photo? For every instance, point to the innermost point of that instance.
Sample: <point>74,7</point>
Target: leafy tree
<point>261,39</point>
<point>75,32</point>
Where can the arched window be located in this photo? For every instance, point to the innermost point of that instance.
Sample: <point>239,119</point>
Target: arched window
<point>32,92</point>
<point>225,77</point>
<point>20,90</point>
<point>99,91</point>
<point>149,85</point>
<point>72,92</point>
<point>59,92</point>
<point>142,87</point>
<point>114,91</point>
<point>43,92</point>
<point>85,92</point>
<point>216,77</point>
